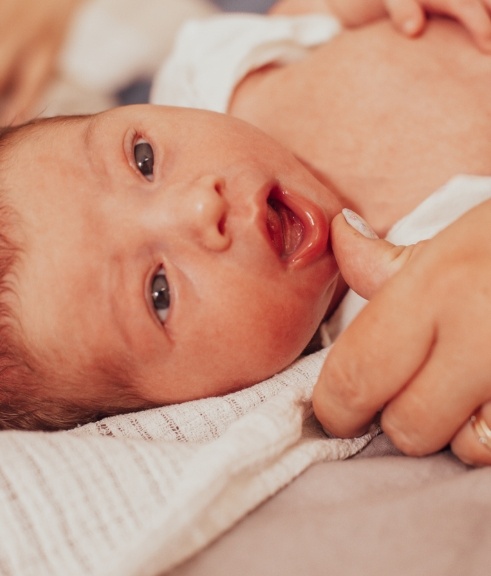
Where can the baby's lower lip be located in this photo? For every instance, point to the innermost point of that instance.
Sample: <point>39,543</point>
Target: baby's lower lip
<point>284,227</point>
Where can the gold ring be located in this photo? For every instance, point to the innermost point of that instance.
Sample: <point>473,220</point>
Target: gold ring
<point>482,430</point>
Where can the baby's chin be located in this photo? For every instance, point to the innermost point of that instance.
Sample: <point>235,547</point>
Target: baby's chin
<point>314,345</point>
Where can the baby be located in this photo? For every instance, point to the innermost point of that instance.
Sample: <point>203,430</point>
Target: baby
<point>153,255</point>
<point>142,266</point>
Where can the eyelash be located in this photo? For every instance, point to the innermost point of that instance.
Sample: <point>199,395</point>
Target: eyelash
<point>144,165</point>
<point>160,295</point>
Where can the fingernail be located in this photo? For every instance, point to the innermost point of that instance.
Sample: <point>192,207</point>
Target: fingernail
<point>357,222</point>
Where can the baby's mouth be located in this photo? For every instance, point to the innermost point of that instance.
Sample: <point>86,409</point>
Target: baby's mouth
<point>284,227</point>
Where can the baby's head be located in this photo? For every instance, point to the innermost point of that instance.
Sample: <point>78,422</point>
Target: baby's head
<point>152,255</point>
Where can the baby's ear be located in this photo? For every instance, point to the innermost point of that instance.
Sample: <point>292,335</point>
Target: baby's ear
<point>365,261</point>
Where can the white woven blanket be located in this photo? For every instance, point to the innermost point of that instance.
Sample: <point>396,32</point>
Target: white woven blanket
<point>137,494</point>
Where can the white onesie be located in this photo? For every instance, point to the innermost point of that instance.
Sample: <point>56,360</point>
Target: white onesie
<point>211,56</point>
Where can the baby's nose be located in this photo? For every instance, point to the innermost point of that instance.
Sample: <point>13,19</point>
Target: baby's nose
<point>207,213</point>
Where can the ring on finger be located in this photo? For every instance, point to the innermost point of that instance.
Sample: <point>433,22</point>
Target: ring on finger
<point>480,427</point>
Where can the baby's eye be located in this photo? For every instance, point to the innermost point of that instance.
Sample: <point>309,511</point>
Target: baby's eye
<point>143,153</point>
<point>161,295</point>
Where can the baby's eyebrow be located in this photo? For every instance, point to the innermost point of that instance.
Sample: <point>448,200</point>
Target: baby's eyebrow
<point>98,157</point>
<point>89,130</point>
<point>21,131</point>
<point>87,140</point>
<point>41,123</point>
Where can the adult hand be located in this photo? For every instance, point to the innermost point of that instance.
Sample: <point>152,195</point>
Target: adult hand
<point>419,350</point>
<point>31,33</point>
<point>408,16</point>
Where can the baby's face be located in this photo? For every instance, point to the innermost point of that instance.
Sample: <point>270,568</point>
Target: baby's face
<point>184,245</point>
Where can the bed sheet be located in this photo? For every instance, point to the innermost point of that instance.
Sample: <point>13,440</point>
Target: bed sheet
<point>380,513</point>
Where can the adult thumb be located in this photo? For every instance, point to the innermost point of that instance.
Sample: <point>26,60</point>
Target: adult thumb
<point>365,261</point>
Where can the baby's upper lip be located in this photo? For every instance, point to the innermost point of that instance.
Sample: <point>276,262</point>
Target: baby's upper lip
<point>297,228</point>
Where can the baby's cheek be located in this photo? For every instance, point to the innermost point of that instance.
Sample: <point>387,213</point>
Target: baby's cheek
<point>286,329</point>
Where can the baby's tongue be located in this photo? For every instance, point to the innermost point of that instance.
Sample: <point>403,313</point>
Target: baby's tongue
<point>285,229</point>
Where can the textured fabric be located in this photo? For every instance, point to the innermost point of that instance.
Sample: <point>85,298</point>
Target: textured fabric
<point>137,494</point>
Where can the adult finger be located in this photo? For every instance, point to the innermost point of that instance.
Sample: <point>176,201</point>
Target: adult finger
<point>365,261</point>
<point>472,443</point>
<point>429,411</point>
<point>376,356</point>
<point>408,16</point>
<point>474,15</point>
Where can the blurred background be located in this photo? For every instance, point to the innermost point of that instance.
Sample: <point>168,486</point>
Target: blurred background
<point>244,5</point>
<point>138,91</point>
<point>92,56</point>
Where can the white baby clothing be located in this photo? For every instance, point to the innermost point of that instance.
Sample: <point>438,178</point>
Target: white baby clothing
<point>211,56</point>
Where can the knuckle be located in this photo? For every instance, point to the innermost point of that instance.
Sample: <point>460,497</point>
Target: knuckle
<point>466,447</point>
<point>403,439</point>
<point>348,388</point>
<point>467,459</point>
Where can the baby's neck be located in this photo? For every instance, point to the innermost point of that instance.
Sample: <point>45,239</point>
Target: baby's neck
<point>379,118</point>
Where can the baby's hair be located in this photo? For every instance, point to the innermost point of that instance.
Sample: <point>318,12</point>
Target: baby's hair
<point>28,380</point>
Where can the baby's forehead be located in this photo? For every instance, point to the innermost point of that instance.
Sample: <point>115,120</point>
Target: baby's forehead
<point>20,145</point>
<point>29,160</point>
<point>41,125</point>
